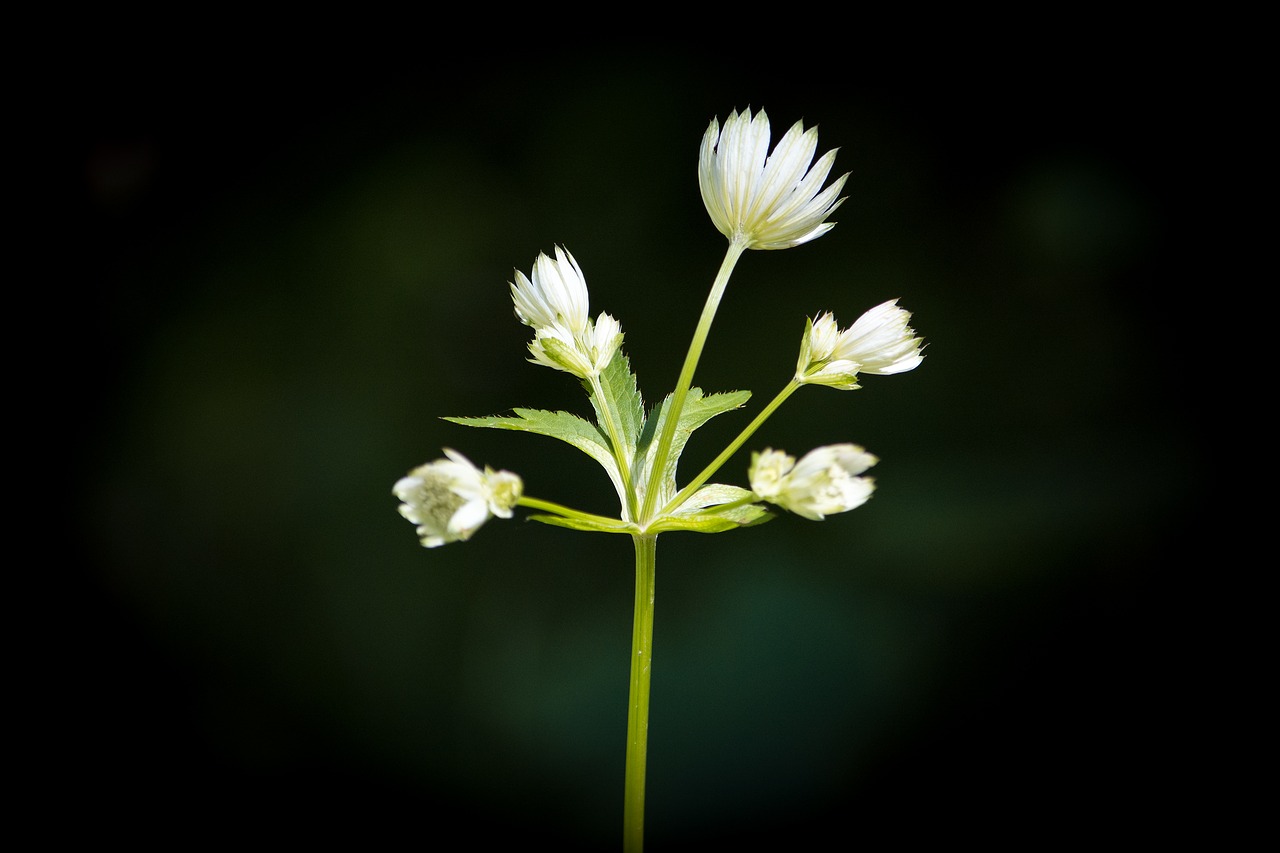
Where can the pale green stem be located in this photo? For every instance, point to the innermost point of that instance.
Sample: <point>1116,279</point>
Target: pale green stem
<point>619,446</point>
<point>638,713</point>
<point>750,429</point>
<point>567,512</point>
<point>686,377</point>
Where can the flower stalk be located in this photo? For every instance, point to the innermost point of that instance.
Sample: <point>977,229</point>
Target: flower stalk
<point>685,382</point>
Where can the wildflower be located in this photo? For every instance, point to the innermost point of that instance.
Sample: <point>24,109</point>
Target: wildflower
<point>823,483</point>
<point>880,342</point>
<point>766,202</point>
<point>553,301</point>
<point>449,499</point>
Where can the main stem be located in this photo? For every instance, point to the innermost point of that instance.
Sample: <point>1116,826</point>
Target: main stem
<point>646,567</point>
<point>638,713</point>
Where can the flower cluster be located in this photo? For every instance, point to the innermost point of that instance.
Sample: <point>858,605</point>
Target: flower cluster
<point>449,499</point>
<point>880,342</point>
<point>758,199</point>
<point>553,300</point>
<point>824,482</point>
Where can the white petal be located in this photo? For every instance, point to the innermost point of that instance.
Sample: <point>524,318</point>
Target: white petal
<point>468,518</point>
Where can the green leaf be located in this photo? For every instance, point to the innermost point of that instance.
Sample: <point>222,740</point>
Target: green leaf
<point>709,523</point>
<point>714,494</point>
<point>602,526</point>
<point>567,427</point>
<point>715,520</point>
<point>697,411</point>
<point>622,396</point>
<point>716,508</point>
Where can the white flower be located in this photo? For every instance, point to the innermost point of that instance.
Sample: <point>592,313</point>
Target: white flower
<point>823,483</point>
<point>880,342</point>
<point>553,300</point>
<point>449,499</point>
<point>762,200</point>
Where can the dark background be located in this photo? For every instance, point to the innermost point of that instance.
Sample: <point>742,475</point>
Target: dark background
<point>296,270</point>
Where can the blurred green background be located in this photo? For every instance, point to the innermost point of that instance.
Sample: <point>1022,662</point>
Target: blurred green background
<point>297,273</point>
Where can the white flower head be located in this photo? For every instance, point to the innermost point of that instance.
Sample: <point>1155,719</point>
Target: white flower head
<point>763,200</point>
<point>822,483</point>
<point>880,342</point>
<point>553,301</point>
<point>449,499</point>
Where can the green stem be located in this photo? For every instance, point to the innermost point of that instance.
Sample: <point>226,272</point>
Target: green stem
<point>619,446</point>
<point>711,469</point>
<point>558,509</point>
<point>638,713</point>
<point>686,377</point>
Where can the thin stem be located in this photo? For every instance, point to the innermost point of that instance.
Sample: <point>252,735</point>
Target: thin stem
<point>711,469</point>
<point>638,713</point>
<point>731,256</point>
<point>567,512</point>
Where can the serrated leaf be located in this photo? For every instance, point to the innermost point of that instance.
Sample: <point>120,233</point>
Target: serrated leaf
<point>697,411</point>
<point>564,426</point>
<point>622,397</point>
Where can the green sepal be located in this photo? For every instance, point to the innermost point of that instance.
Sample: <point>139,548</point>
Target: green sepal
<point>839,381</point>
<point>805,369</point>
<point>562,354</point>
<point>806,348</point>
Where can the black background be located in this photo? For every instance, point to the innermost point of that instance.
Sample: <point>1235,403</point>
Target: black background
<point>293,270</point>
